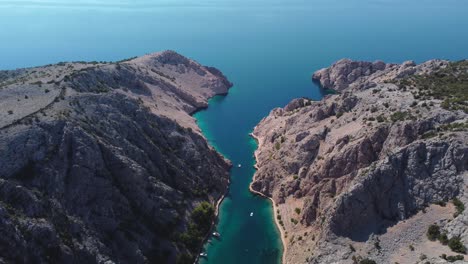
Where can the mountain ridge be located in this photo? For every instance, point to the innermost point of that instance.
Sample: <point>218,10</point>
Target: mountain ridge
<point>103,163</point>
<point>346,172</point>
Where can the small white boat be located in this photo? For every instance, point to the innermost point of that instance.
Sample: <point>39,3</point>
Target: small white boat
<point>239,165</point>
<point>216,234</point>
<point>251,213</point>
<point>203,254</point>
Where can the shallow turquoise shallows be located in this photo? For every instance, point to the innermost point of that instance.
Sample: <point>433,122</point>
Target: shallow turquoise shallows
<point>268,49</point>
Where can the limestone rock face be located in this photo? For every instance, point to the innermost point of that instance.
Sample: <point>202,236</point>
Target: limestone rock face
<point>346,71</point>
<point>107,164</point>
<point>347,74</point>
<point>360,167</point>
<point>400,185</point>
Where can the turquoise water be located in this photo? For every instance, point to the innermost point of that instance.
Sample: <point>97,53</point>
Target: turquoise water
<point>267,48</point>
<point>244,238</point>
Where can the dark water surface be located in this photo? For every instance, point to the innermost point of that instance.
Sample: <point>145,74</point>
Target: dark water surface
<point>267,48</point>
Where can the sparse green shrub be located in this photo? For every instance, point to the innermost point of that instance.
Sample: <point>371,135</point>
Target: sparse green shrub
<point>398,116</point>
<point>429,134</point>
<point>277,145</point>
<point>454,126</point>
<point>201,217</point>
<point>433,232</point>
<point>128,59</point>
<point>192,237</point>
<point>297,210</point>
<point>367,261</point>
<point>381,118</point>
<point>454,258</point>
<point>458,205</point>
<point>443,239</point>
<point>203,214</point>
<point>447,84</point>
<point>456,245</point>
<point>446,104</point>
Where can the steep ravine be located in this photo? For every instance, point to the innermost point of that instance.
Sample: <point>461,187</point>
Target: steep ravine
<point>102,162</point>
<point>361,175</point>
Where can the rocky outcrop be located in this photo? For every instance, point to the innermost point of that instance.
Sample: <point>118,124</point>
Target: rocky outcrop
<point>102,162</point>
<point>400,185</point>
<point>348,171</point>
<point>345,71</point>
<point>346,74</point>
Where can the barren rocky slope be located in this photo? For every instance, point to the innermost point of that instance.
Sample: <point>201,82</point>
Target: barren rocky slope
<point>362,174</point>
<point>102,162</point>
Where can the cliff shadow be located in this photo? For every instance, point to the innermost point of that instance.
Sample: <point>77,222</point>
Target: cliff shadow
<point>363,232</point>
<point>323,91</point>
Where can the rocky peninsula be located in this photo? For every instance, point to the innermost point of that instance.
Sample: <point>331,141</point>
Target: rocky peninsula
<point>376,172</point>
<point>102,162</point>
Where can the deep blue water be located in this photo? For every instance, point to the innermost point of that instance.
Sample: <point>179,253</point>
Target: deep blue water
<point>267,48</point>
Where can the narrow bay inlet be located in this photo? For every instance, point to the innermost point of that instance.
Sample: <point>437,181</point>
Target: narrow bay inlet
<point>246,225</point>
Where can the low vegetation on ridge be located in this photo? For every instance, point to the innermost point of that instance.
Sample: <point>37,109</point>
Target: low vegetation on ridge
<point>449,84</point>
<point>201,219</point>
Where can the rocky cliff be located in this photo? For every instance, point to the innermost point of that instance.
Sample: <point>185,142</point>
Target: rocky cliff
<point>102,162</point>
<point>362,174</point>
